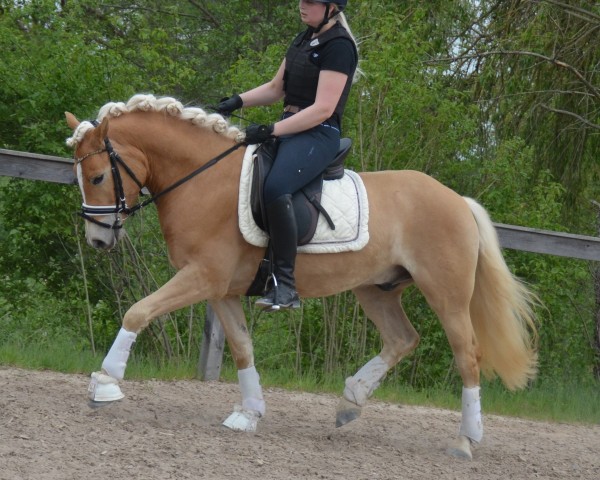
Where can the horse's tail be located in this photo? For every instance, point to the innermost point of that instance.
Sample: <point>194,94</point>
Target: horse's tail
<point>501,311</point>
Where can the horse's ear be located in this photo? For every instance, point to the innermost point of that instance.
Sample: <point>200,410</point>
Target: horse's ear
<point>71,120</point>
<point>103,128</point>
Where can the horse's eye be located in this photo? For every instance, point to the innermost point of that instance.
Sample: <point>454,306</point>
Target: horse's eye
<point>98,180</point>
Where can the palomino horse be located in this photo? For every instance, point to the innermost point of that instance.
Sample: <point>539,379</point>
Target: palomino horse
<point>421,233</point>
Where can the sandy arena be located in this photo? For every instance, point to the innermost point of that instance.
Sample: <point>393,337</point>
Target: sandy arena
<point>172,430</point>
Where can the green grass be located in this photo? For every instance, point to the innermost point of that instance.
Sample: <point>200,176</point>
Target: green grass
<point>63,358</point>
<point>567,402</point>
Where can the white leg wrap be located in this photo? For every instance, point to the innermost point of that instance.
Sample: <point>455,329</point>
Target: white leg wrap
<point>471,425</point>
<point>116,360</point>
<point>362,385</point>
<point>245,418</point>
<point>252,397</point>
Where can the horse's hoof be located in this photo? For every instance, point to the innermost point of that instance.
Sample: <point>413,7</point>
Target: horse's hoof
<point>103,389</point>
<point>460,448</point>
<point>96,405</point>
<point>346,412</point>
<point>242,420</point>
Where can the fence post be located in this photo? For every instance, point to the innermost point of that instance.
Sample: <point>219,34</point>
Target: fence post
<point>211,350</point>
<point>596,275</point>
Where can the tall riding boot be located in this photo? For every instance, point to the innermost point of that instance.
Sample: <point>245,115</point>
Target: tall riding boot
<point>284,239</point>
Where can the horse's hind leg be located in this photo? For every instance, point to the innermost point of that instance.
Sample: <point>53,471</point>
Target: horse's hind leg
<point>450,301</point>
<point>399,339</point>
<point>461,336</point>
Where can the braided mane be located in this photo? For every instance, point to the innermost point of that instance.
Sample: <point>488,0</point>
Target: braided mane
<point>171,106</point>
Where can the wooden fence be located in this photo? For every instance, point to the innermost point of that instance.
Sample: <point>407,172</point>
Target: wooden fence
<point>48,168</point>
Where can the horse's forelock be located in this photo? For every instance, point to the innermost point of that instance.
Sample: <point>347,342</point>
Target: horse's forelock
<point>79,133</point>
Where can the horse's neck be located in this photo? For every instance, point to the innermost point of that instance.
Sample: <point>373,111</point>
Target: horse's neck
<point>203,204</point>
<point>174,149</point>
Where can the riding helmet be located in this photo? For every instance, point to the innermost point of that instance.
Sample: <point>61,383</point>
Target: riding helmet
<point>340,3</point>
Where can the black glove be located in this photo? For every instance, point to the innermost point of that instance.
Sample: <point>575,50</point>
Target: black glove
<point>258,133</point>
<point>229,104</point>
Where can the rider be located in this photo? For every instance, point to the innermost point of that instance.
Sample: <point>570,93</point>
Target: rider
<point>314,80</point>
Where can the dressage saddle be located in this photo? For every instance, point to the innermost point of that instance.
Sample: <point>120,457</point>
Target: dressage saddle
<point>306,202</point>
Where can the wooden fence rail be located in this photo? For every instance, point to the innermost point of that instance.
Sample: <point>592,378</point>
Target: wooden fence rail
<point>33,166</point>
<point>48,168</point>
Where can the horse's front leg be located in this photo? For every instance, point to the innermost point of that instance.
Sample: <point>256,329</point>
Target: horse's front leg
<point>182,290</point>
<point>232,317</point>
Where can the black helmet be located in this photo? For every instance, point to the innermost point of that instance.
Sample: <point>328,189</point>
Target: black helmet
<point>340,3</point>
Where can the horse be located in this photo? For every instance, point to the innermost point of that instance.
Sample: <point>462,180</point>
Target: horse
<point>421,233</point>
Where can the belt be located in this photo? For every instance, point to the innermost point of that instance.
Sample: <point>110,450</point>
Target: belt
<point>292,109</point>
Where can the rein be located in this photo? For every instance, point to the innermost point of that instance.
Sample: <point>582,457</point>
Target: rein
<point>89,211</point>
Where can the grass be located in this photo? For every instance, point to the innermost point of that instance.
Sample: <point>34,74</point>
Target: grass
<point>568,402</point>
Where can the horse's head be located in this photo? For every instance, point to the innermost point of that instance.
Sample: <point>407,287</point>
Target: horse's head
<point>144,136</point>
<point>106,182</point>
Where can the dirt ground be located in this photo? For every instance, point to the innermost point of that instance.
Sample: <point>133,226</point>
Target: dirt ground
<point>172,430</point>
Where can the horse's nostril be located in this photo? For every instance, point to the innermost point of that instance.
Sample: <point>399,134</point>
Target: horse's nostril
<point>99,244</point>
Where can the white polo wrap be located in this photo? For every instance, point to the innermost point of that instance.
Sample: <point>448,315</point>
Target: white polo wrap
<point>252,397</point>
<point>471,425</point>
<point>362,385</point>
<point>116,360</point>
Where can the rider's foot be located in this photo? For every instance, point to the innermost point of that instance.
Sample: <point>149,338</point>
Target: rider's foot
<point>267,301</point>
<point>287,298</point>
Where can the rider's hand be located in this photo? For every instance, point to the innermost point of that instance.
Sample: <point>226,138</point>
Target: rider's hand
<point>258,133</point>
<point>229,104</point>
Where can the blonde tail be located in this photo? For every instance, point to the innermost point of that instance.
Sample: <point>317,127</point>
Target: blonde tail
<point>501,312</point>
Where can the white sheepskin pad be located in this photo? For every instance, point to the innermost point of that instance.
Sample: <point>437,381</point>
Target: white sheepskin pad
<point>345,200</point>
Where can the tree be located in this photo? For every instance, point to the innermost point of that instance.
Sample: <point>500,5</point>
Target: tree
<point>467,91</point>
<point>533,67</point>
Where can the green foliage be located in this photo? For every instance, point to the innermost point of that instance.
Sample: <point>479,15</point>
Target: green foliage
<point>31,314</point>
<point>532,64</point>
<point>516,193</point>
<point>475,125</point>
<point>405,115</point>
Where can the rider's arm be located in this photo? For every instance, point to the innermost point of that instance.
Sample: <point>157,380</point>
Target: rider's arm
<point>329,90</point>
<point>268,93</point>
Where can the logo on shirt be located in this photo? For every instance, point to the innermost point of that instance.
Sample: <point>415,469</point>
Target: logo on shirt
<point>314,43</point>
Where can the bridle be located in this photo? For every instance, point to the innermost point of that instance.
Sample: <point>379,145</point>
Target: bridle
<point>88,212</point>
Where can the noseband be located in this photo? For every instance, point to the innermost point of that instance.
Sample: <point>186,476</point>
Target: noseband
<point>88,212</point>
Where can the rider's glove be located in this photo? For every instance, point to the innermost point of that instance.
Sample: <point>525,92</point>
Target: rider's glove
<point>229,104</point>
<point>258,133</point>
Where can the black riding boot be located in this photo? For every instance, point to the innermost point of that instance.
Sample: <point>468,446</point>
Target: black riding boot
<point>284,239</point>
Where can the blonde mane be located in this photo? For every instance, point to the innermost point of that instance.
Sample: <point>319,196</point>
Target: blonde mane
<point>171,106</point>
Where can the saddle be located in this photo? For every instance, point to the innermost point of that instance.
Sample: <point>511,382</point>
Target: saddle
<point>307,201</point>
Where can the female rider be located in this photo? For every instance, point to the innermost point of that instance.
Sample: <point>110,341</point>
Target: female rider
<point>314,80</point>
